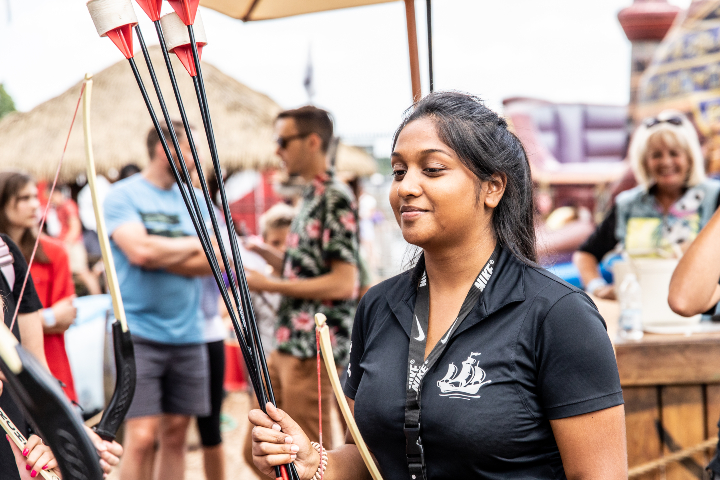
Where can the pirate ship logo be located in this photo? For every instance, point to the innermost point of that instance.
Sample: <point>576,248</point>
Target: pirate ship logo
<point>463,383</point>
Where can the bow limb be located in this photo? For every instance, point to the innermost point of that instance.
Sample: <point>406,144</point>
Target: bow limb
<point>326,349</point>
<point>42,401</point>
<point>124,353</point>
<point>107,257</point>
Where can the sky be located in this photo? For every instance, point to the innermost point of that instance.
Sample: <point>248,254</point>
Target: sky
<point>558,50</point>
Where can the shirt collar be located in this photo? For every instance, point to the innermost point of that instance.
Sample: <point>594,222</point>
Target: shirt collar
<point>505,286</point>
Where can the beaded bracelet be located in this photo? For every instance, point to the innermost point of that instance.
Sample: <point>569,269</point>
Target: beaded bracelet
<point>323,460</point>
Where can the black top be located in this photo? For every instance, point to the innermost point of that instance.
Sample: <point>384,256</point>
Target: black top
<point>543,352</point>
<point>603,239</point>
<point>29,303</point>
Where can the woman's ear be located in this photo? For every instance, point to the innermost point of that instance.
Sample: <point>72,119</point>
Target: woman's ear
<point>494,189</point>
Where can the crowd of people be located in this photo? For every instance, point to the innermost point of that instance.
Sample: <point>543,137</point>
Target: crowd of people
<point>474,362</point>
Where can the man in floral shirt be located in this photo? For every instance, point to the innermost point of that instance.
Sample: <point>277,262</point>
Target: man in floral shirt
<point>319,268</point>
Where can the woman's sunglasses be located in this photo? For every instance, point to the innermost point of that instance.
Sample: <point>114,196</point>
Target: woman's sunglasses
<point>284,141</point>
<point>651,122</point>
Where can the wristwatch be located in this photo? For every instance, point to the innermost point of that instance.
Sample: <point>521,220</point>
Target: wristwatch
<point>49,317</point>
<point>594,284</point>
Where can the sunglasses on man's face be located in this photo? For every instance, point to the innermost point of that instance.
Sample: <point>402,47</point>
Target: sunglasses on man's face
<point>651,122</point>
<point>284,141</point>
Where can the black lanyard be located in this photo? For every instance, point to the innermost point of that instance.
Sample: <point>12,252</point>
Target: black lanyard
<point>418,365</point>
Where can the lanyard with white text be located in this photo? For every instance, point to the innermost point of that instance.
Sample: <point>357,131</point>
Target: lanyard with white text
<point>418,365</point>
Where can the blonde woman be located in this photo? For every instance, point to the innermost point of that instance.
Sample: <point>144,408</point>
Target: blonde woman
<point>672,202</point>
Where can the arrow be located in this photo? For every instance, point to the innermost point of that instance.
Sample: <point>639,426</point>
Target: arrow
<point>113,16</point>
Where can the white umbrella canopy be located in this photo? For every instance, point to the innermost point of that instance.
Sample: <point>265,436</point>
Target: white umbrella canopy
<point>249,10</point>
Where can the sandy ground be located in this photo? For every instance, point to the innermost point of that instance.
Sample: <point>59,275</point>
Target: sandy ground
<point>235,425</point>
<point>235,408</point>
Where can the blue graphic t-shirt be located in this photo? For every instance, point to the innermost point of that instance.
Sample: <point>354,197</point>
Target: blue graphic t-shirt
<point>160,306</point>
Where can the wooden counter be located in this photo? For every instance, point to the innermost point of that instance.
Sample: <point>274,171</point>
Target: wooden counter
<point>671,387</point>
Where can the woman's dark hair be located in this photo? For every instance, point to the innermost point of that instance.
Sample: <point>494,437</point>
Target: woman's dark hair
<point>11,182</point>
<point>483,143</point>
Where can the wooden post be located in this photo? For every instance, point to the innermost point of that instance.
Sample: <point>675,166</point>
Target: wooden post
<point>413,49</point>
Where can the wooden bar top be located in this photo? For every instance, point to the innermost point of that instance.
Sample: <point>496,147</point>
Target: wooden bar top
<point>663,359</point>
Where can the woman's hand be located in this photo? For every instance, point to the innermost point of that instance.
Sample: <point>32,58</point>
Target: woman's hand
<point>110,452</point>
<point>35,458</point>
<point>65,314</point>
<point>278,440</point>
<point>606,292</point>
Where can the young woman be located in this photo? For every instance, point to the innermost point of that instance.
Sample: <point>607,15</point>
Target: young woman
<point>494,366</point>
<point>50,271</point>
<point>672,202</point>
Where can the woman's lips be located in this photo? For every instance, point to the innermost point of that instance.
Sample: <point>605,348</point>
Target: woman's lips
<point>410,213</point>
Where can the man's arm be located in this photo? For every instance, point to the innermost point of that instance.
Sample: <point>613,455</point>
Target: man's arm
<point>694,284</point>
<point>339,284</point>
<point>154,251</point>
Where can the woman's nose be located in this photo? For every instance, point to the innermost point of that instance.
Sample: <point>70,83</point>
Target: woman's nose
<point>409,186</point>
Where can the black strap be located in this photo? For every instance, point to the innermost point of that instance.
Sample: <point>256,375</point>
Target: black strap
<point>418,365</point>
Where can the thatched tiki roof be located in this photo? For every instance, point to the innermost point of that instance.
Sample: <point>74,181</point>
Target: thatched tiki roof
<point>242,121</point>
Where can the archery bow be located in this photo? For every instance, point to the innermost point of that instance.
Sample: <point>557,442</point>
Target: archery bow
<point>327,353</point>
<point>122,396</point>
<point>39,397</point>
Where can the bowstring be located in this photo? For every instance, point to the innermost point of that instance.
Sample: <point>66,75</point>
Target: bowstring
<point>317,347</point>
<point>45,213</point>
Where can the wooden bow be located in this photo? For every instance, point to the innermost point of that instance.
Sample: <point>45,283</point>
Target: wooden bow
<point>124,353</point>
<point>327,353</point>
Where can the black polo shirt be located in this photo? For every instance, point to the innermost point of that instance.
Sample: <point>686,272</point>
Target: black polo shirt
<point>545,353</point>
<point>28,304</point>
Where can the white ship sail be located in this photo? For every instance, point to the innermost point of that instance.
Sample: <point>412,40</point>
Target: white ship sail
<point>465,383</point>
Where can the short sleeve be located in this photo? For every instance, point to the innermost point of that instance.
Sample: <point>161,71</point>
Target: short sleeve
<point>603,238</point>
<point>339,240</point>
<point>119,209</point>
<point>357,349</point>
<point>577,371</point>
<point>30,301</point>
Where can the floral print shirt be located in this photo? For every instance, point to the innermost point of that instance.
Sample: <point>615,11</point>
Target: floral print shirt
<point>324,229</point>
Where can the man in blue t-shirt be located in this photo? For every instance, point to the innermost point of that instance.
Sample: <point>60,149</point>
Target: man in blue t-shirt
<point>159,259</point>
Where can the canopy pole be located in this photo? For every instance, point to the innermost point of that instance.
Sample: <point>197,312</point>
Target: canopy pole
<point>428,4</point>
<point>413,50</point>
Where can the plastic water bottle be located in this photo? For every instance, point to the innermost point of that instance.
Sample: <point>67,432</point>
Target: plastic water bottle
<point>630,297</point>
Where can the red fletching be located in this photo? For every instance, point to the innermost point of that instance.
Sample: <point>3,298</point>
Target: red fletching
<point>186,9</point>
<point>151,8</point>
<point>284,473</point>
<point>184,54</point>
<point>122,38</point>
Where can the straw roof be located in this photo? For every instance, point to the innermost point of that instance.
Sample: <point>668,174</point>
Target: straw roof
<point>242,120</point>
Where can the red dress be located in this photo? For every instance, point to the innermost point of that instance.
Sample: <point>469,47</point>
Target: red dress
<point>53,282</point>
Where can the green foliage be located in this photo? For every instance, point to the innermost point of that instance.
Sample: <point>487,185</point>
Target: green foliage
<point>6,102</point>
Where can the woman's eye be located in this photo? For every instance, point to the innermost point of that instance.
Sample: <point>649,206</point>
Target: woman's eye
<point>398,173</point>
<point>433,171</point>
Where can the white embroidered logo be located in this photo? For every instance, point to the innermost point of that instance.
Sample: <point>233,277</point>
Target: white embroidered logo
<point>416,375</point>
<point>450,330</point>
<point>484,277</point>
<point>464,383</point>
<point>421,335</point>
<point>348,370</point>
<point>423,280</point>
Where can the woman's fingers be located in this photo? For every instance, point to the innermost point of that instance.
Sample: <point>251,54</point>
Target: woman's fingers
<point>44,462</point>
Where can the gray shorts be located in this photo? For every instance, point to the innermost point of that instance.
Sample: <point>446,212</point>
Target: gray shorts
<point>170,379</point>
